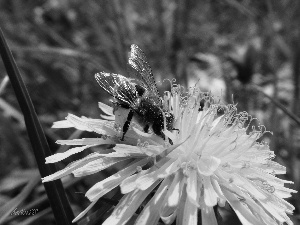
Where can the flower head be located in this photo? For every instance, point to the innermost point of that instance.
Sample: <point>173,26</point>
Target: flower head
<point>213,158</point>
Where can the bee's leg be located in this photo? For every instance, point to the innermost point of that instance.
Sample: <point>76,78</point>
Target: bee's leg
<point>127,123</point>
<point>146,128</point>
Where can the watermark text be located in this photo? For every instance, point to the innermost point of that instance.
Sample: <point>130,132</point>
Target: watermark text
<point>23,212</point>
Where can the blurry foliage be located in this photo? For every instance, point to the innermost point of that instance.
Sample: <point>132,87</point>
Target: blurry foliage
<point>230,44</point>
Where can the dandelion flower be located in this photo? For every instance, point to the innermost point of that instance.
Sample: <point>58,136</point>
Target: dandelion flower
<point>213,159</point>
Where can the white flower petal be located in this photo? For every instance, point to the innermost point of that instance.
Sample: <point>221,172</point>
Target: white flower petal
<point>80,215</point>
<point>116,155</point>
<point>171,169</point>
<point>71,167</point>
<point>210,196</point>
<point>275,206</point>
<point>216,145</point>
<point>104,186</point>
<point>243,183</point>
<point>149,150</point>
<point>282,192</point>
<point>96,125</point>
<point>170,150</point>
<point>217,189</point>
<point>190,213</point>
<point>217,124</point>
<point>181,207</point>
<point>86,141</point>
<point>62,124</point>
<point>60,156</point>
<point>106,109</point>
<point>152,150</point>
<point>256,173</point>
<point>128,205</point>
<point>208,216</point>
<point>241,210</point>
<point>129,184</point>
<point>172,198</point>
<point>251,204</point>
<point>96,166</point>
<point>78,123</point>
<point>145,181</point>
<point>271,167</point>
<point>192,187</point>
<point>222,202</point>
<point>127,149</point>
<point>150,213</point>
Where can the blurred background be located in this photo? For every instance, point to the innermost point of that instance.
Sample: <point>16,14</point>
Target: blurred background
<point>245,52</point>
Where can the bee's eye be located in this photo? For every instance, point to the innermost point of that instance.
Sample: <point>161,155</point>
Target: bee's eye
<point>140,90</point>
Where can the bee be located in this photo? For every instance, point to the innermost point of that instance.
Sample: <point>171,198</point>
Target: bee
<point>139,95</point>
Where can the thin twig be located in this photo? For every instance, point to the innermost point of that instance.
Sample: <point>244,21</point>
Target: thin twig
<point>279,105</point>
<point>242,8</point>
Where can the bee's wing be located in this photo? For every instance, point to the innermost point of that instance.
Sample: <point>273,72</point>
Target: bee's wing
<point>119,87</point>
<point>138,62</point>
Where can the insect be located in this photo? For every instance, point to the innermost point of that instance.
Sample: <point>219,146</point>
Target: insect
<point>139,95</point>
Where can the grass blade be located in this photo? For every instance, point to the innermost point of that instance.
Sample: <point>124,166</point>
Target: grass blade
<point>60,206</point>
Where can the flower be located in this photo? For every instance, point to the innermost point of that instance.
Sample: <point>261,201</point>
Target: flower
<point>213,159</point>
